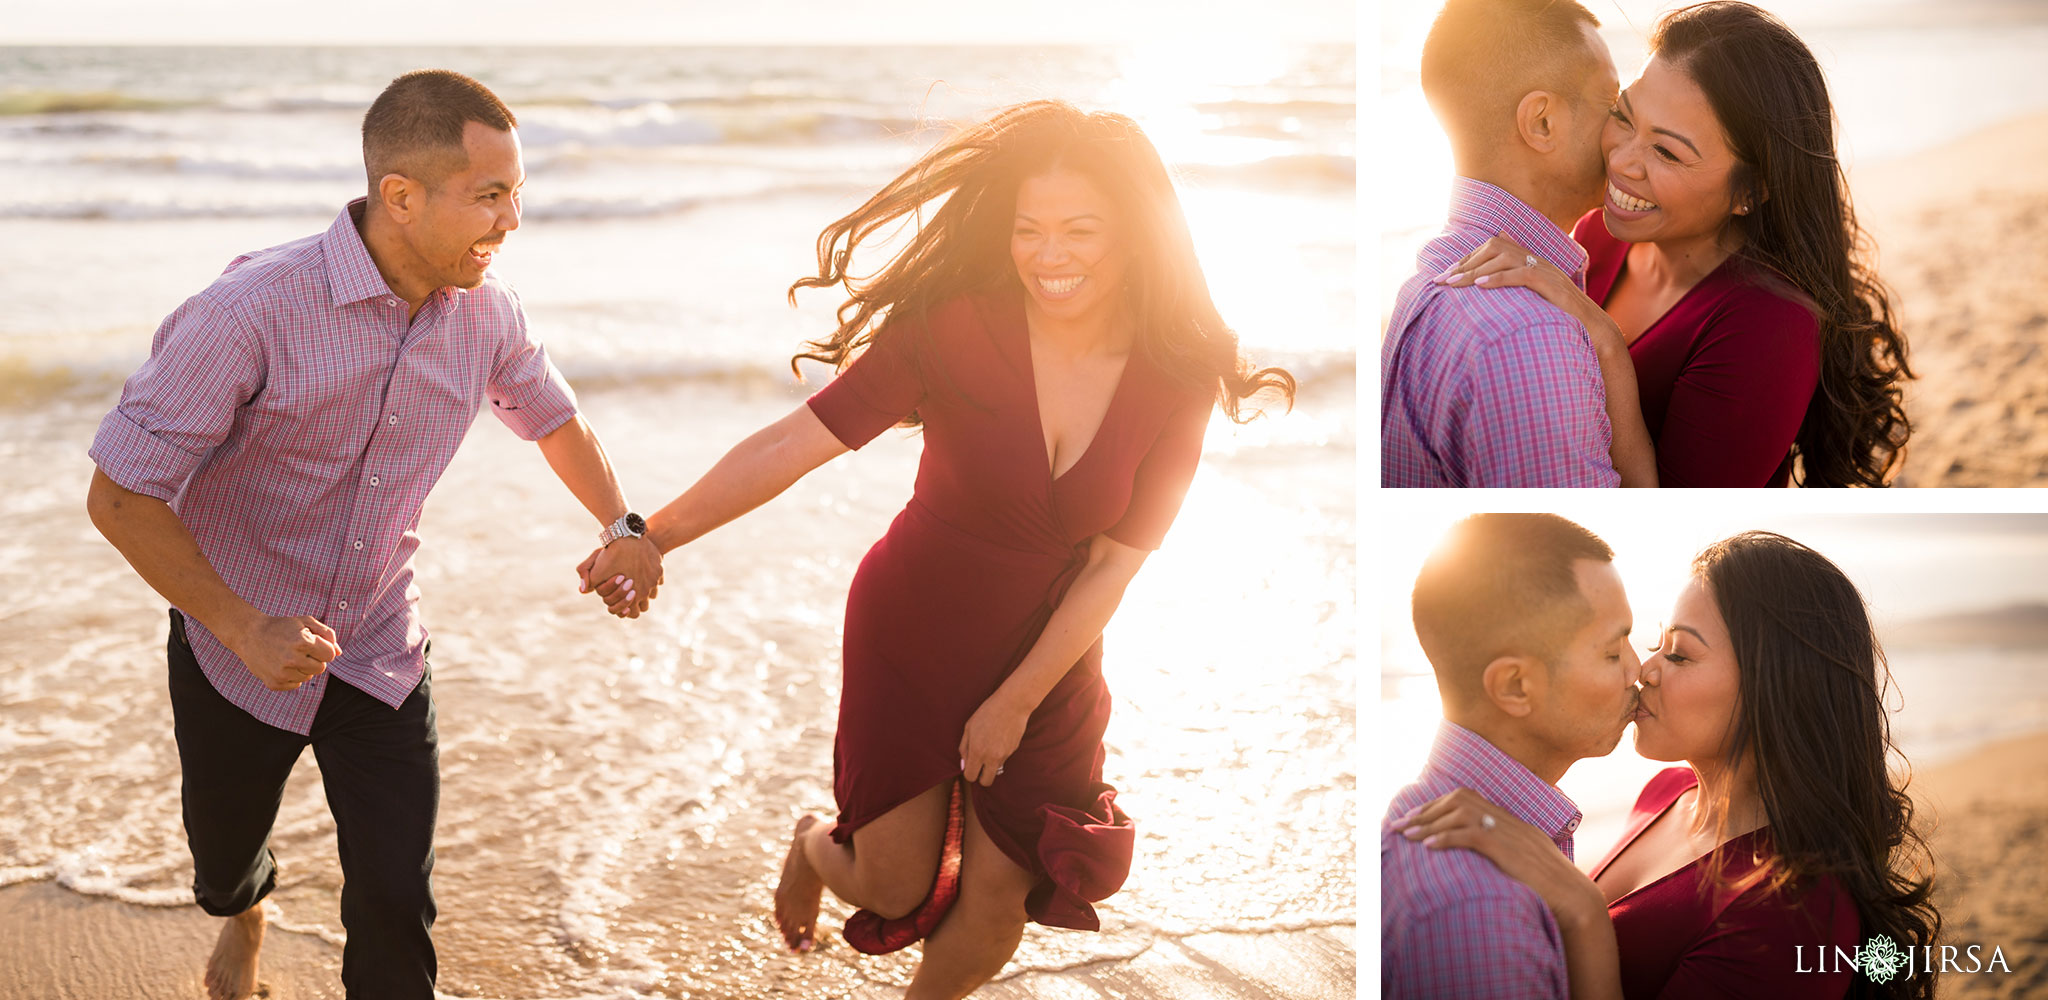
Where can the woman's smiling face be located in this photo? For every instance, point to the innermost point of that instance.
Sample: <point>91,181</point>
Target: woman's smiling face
<point>1067,245</point>
<point>1669,165</point>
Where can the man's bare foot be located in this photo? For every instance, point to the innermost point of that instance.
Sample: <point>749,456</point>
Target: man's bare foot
<point>231,972</point>
<point>797,895</point>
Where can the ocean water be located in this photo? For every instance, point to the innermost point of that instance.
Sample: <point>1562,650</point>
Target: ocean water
<point>617,796</point>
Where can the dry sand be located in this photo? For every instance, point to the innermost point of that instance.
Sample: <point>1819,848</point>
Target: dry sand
<point>1962,234</point>
<point>56,944</point>
<point>1989,817</point>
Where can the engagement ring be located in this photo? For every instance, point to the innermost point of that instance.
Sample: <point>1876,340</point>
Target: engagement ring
<point>1486,821</point>
<point>1529,261</point>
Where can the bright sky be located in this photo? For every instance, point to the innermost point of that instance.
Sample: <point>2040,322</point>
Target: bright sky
<point>772,22</point>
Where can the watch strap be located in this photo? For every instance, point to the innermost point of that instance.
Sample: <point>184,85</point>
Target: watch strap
<point>621,528</point>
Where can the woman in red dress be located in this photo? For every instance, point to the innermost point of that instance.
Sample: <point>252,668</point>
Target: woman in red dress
<point>1050,329</point>
<point>1782,840</point>
<point>1725,294</point>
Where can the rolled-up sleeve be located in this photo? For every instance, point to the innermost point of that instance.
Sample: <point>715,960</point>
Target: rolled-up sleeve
<point>526,391</point>
<point>203,366</point>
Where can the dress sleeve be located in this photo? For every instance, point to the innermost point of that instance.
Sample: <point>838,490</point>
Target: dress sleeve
<point>882,386</point>
<point>204,365</point>
<point>1738,402</point>
<point>1770,950</point>
<point>1163,475</point>
<point>527,392</point>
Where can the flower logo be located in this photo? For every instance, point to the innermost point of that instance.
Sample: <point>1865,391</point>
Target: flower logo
<point>1881,959</point>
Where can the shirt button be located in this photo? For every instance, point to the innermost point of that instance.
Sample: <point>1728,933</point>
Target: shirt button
<point>343,605</point>
<point>390,302</point>
<point>359,545</point>
<point>394,418</point>
<point>374,481</point>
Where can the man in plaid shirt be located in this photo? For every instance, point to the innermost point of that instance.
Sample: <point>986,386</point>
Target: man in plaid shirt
<point>1497,387</point>
<point>1526,625</point>
<point>265,470</point>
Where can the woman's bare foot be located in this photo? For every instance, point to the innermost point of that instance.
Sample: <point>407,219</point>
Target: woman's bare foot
<point>797,895</point>
<point>231,972</point>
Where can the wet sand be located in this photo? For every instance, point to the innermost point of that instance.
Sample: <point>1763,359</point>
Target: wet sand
<point>613,810</point>
<point>1960,231</point>
<point>61,945</point>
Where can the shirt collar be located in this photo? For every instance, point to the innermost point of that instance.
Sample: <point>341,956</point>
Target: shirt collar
<point>1479,205</point>
<point>1465,758</point>
<point>351,274</point>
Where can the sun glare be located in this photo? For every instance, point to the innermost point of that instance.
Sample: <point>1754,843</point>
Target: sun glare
<point>1165,86</point>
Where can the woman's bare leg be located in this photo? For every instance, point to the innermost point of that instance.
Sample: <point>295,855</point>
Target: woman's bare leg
<point>888,869</point>
<point>985,925</point>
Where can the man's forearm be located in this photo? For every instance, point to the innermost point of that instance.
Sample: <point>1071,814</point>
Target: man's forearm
<point>573,451</point>
<point>167,557</point>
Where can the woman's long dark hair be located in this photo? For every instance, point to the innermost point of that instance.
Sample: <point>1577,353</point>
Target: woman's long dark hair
<point>964,246</point>
<point>1772,102</point>
<point>1812,724</point>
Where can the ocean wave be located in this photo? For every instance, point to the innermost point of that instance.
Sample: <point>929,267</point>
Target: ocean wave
<point>633,120</point>
<point>1280,107</point>
<point>23,383</point>
<point>659,124</point>
<point>132,210</point>
<point>1324,169</point>
<point>203,165</point>
<point>125,209</point>
<point>56,102</point>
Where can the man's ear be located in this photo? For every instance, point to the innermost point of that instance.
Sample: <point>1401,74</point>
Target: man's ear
<point>400,196</point>
<point>1514,684</point>
<point>1537,120</point>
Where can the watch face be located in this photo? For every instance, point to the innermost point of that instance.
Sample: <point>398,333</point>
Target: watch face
<point>636,524</point>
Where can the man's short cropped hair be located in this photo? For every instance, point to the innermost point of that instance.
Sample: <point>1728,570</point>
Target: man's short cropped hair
<point>1501,585</point>
<point>415,126</point>
<point>1483,56</point>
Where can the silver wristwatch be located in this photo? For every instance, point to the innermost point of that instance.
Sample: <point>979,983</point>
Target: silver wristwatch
<point>631,524</point>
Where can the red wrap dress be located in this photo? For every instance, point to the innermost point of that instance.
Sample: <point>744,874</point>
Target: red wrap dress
<point>950,600</point>
<point>1684,937</point>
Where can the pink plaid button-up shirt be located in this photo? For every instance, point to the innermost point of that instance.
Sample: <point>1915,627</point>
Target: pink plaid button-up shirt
<point>1490,386</point>
<point>295,420</point>
<point>1453,926</point>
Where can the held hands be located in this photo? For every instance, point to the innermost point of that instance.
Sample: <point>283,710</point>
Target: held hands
<point>625,573</point>
<point>284,653</point>
<point>1464,818</point>
<point>992,735</point>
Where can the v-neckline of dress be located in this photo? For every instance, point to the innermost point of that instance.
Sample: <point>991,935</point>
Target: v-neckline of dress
<point>1637,834</point>
<point>1622,269</point>
<point>1045,446</point>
